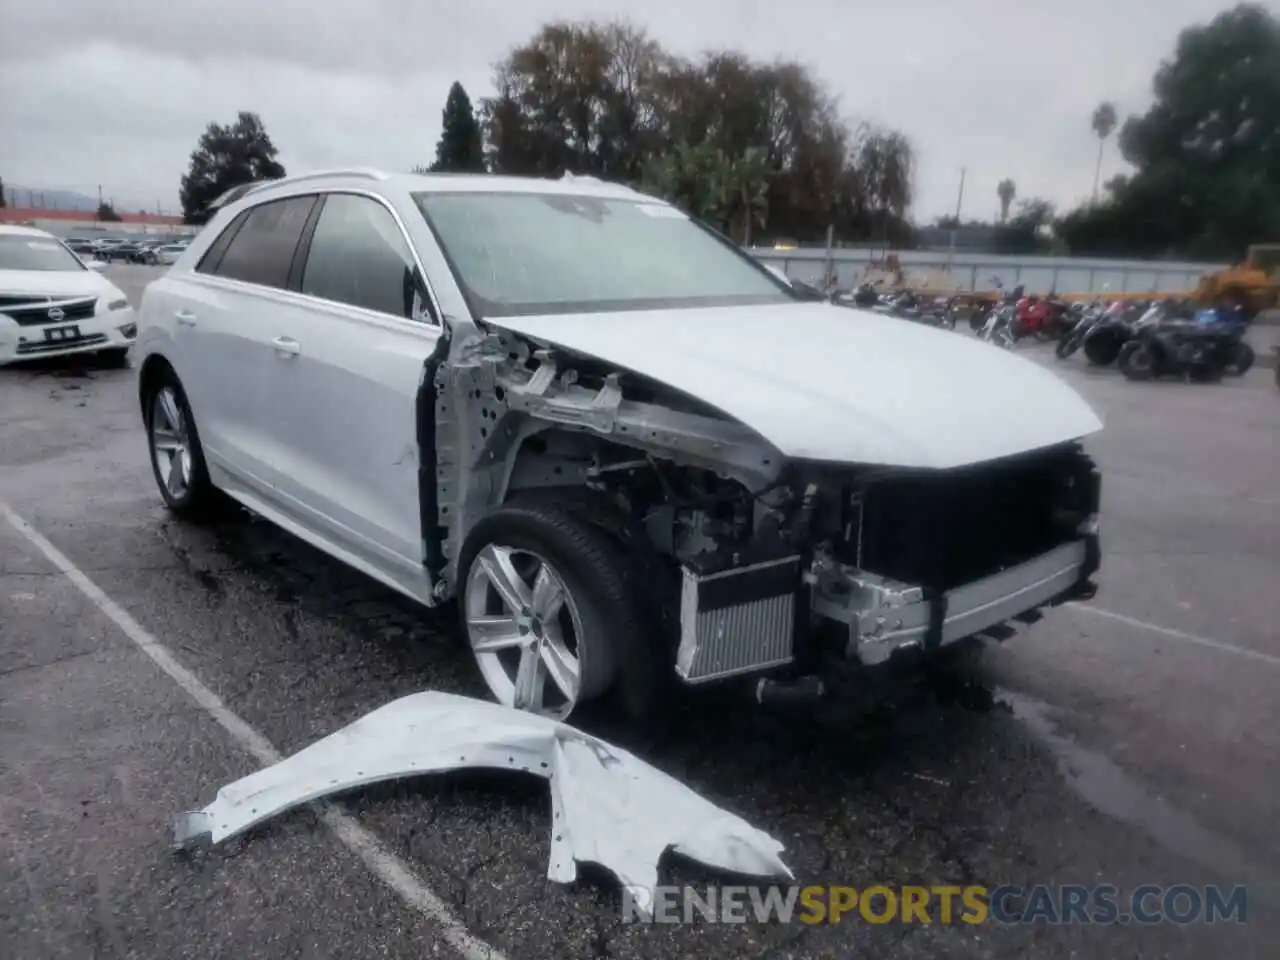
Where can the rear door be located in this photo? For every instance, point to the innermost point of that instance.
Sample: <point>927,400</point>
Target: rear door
<point>346,399</point>
<point>225,334</point>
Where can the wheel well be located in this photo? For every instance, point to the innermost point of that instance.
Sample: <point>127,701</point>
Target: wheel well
<point>153,368</point>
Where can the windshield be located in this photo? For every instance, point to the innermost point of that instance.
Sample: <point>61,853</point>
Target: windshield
<point>522,254</point>
<point>30,252</point>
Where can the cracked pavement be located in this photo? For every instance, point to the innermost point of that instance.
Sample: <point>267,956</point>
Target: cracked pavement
<point>1089,748</point>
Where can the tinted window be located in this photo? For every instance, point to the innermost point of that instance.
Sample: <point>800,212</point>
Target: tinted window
<point>261,251</point>
<point>359,256</point>
<point>213,256</point>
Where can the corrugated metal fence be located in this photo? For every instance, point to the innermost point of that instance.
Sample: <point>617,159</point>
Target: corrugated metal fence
<point>973,271</point>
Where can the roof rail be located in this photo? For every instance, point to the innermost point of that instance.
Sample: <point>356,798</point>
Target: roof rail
<point>244,189</point>
<point>364,173</point>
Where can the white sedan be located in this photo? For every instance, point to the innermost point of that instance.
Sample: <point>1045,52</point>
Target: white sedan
<point>52,303</point>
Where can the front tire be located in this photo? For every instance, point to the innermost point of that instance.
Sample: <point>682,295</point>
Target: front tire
<point>1136,361</point>
<point>177,459</point>
<point>1066,347</point>
<point>547,607</point>
<point>1102,351</point>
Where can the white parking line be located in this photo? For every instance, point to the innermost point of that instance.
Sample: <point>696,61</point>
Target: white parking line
<point>386,866</point>
<point>1219,645</point>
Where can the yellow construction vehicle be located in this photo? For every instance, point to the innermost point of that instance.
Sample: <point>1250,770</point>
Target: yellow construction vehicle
<point>1254,284</point>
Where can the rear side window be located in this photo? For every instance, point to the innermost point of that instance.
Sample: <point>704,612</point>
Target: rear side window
<point>359,256</point>
<point>260,247</point>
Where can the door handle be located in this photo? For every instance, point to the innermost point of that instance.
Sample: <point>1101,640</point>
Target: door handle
<point>185,318</point>
<point>287,346</point>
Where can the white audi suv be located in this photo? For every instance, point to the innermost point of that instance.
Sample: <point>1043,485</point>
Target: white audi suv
<point>635,458</point>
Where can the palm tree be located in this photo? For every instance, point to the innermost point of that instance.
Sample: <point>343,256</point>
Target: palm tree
<point>745,181</point>
<point>1104,122</point>
<point>1006,190</point>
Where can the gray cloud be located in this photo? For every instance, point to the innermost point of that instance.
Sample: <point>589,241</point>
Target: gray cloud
<point>118,92</point>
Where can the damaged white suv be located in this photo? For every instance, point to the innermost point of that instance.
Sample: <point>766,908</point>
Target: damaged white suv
<point>632,454</point>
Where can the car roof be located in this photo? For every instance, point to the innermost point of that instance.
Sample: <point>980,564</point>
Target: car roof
<point>13,230</point>
<point>364,178</point>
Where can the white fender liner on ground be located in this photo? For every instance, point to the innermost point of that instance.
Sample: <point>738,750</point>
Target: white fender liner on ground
<point>608,806</point>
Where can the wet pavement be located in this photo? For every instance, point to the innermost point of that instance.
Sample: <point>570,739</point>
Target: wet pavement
<point>1130,740</point>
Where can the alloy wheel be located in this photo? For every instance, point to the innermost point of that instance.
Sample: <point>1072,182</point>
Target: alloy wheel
<point>171,443</point>
<point>524,627</point>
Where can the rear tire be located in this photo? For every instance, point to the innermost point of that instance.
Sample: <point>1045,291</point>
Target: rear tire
<point>177,459</point>
<point>1242,361</point>
<point>1136,361</point>
<point>1066,347</point>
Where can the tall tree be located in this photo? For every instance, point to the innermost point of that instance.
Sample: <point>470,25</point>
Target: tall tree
<point>1006,190</point>
<point>1206,154</point>
<point>226,157</point>
<point>606,100</point>
<point>3,201</point>
<point>461,145</point>
<point>1104,122</point>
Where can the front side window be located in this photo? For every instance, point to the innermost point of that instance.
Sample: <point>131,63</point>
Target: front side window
<point>522,254</point>
<point>262,245</point>
<point>358,256</point>
<point>33,252</point>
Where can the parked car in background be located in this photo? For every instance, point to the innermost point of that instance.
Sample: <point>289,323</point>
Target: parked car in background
<point>52,303</point>
<point>168,255</point>
<point>104,246</point>
<point>566,407</point>
<point>124,251</point>
<point>147,252</point>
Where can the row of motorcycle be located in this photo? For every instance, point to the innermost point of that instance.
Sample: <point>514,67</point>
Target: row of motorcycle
<point>1144,339</point>
<point>1161,338</point>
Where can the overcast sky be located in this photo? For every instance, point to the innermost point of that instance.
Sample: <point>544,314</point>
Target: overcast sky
<point>116,92</point>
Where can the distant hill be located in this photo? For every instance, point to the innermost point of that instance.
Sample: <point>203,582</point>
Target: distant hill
<point>18,195</point>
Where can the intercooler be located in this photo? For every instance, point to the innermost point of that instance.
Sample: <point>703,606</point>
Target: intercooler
<point>737,620</point>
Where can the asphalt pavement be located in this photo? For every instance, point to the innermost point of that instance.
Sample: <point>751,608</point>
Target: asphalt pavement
<point>1129,740</point>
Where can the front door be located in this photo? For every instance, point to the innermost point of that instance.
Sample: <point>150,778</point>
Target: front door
<point>349,365</point>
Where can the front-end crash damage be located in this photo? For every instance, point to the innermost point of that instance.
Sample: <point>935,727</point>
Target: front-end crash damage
<point>777,562</point>
<point>608,807</point>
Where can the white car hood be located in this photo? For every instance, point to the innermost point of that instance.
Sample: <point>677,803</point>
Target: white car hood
<point>824,382</point>
<point>55,283</point>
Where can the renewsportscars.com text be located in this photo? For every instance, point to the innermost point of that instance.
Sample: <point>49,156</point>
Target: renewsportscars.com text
<point>883,903</point>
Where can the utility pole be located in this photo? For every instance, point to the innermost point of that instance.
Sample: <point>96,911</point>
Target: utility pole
<point>951,250</point>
